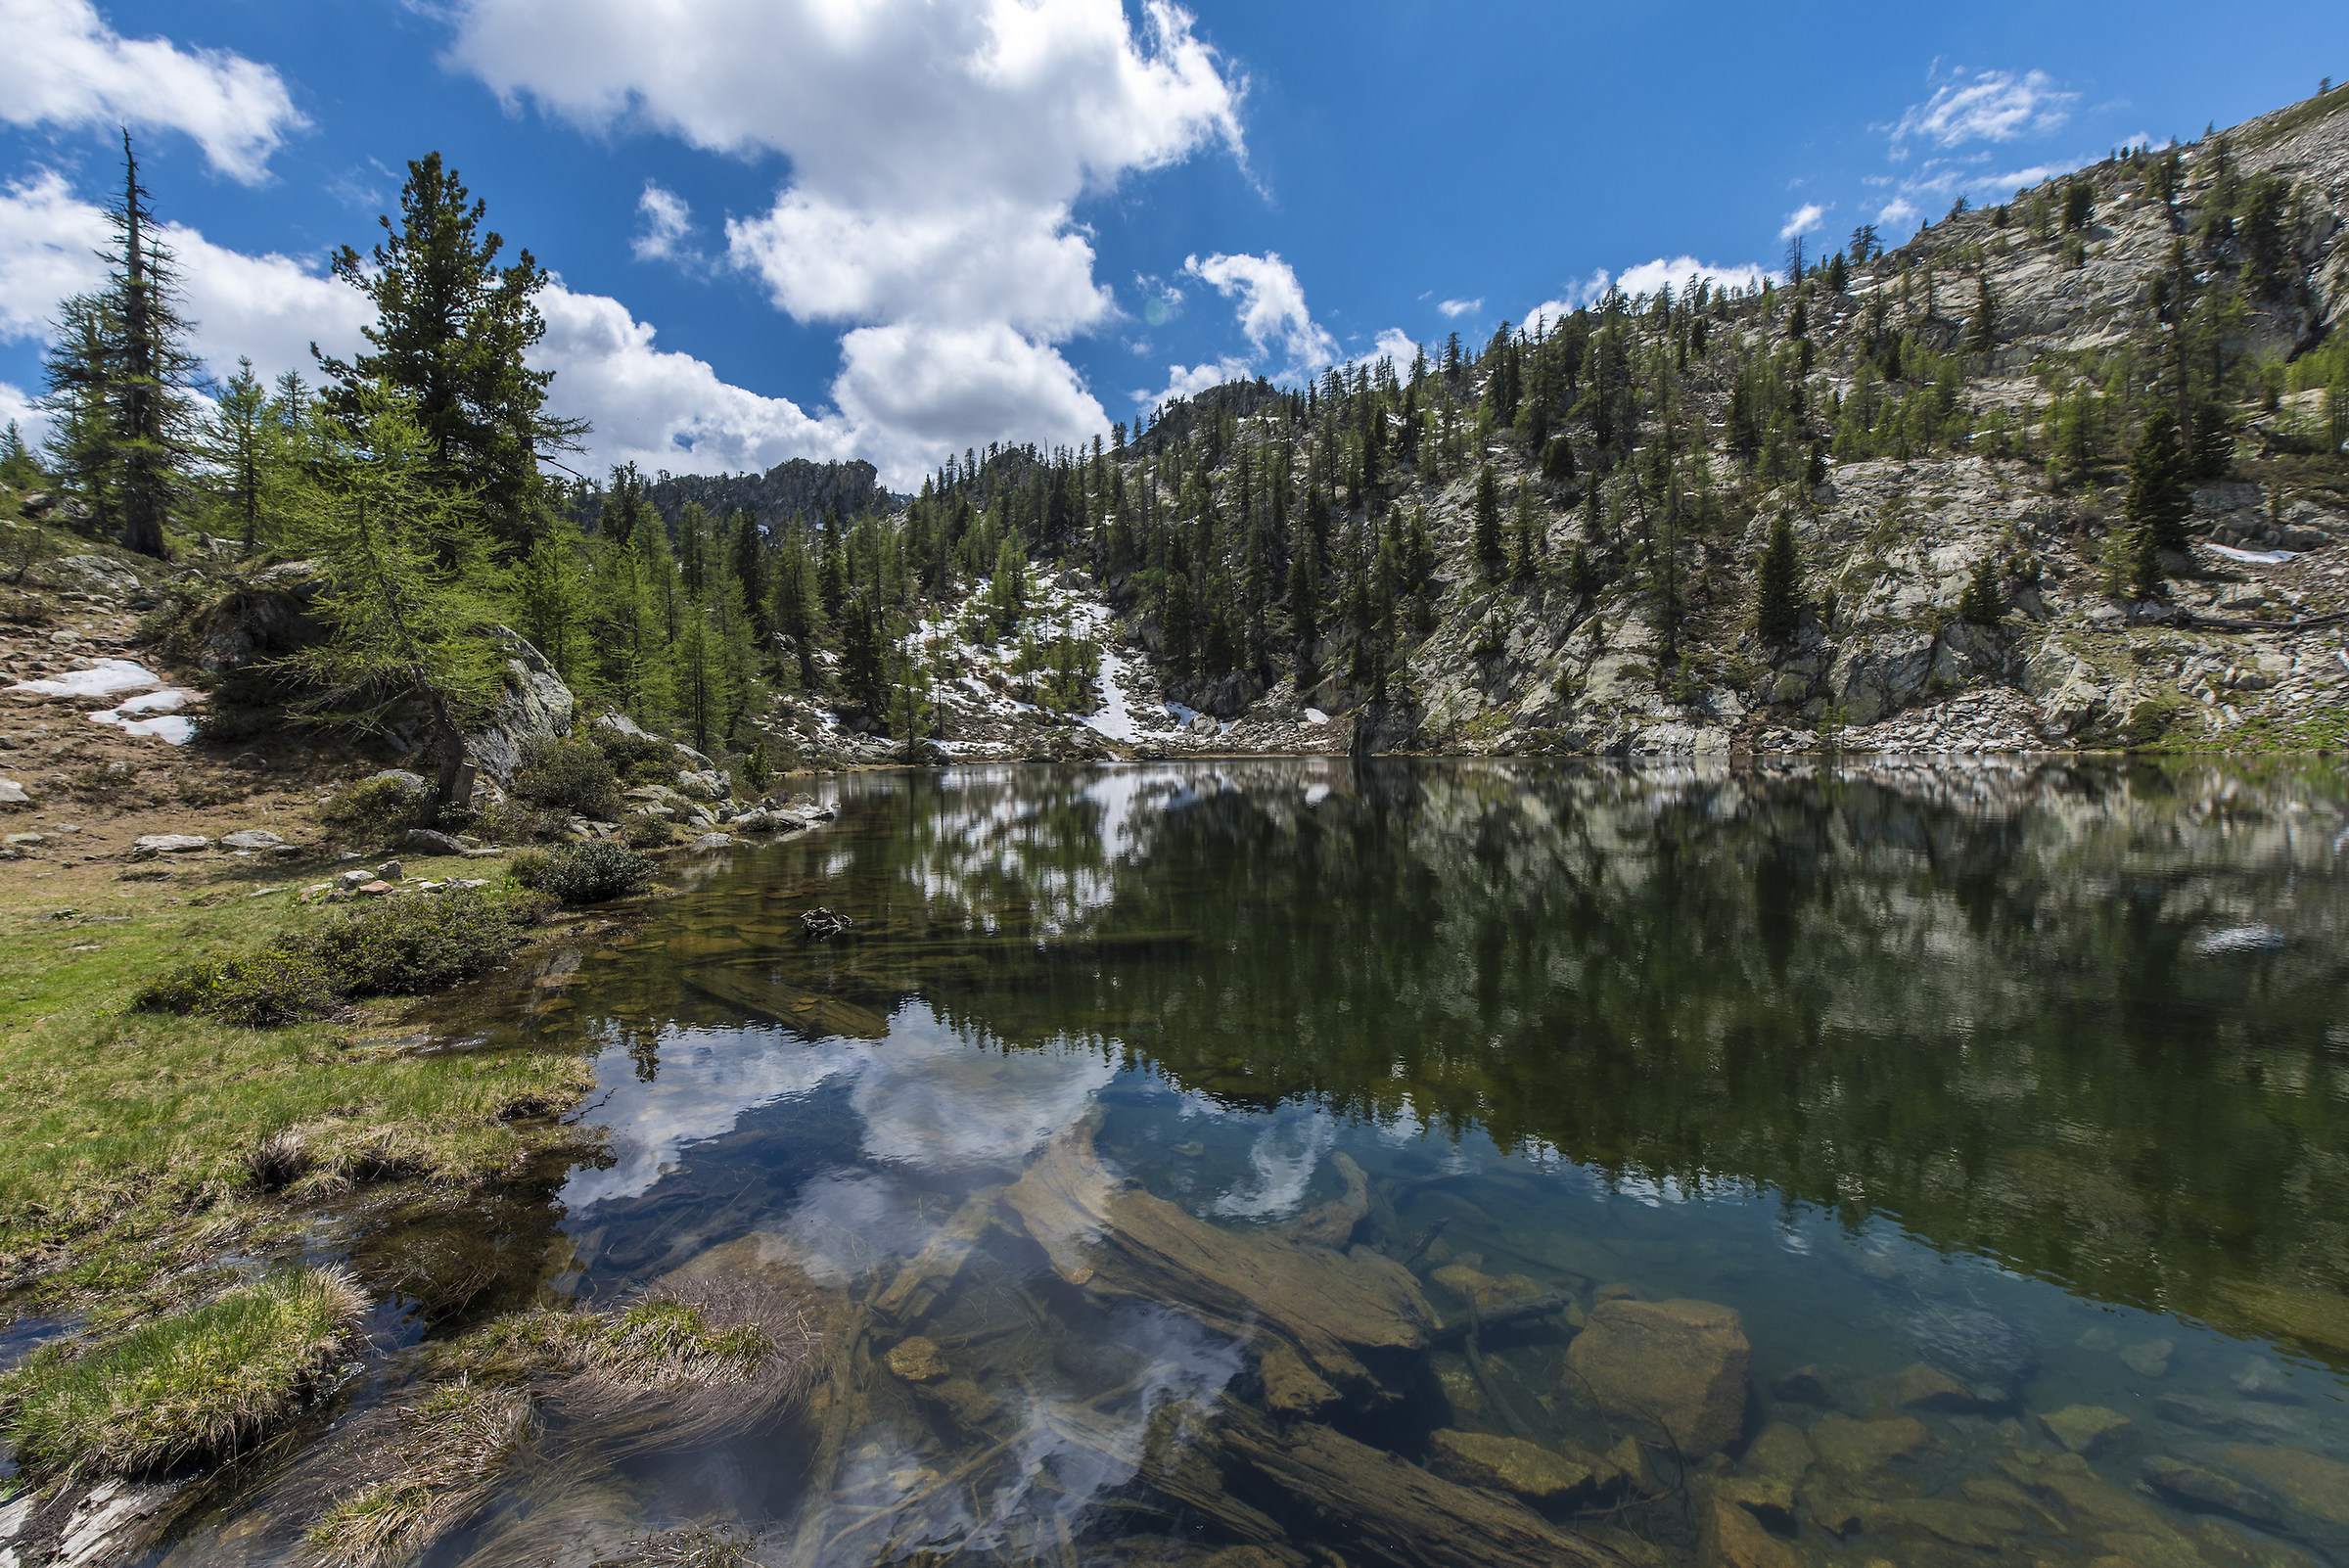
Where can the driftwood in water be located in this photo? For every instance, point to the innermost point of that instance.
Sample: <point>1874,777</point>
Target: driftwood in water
<point>1106,1234</point>
<point>1393,1512</point>
<point>931,1270</point>
<point>816,1015</point>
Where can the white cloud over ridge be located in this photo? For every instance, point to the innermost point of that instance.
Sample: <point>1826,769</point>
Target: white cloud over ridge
<point>64,66</point>
<point>1664,272</point>
<point>938,149</point>
<point>1993,106</point>
<point>1802,221</point>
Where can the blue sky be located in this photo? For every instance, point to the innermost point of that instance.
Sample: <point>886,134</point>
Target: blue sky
<point>894,228</point>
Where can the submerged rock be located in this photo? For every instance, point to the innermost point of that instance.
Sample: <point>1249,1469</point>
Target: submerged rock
<point>1860,1446</point>
<point>916,1360</point>
<point>1976,1346</point>
<point>2191,1486</point>
<point>1679,1365</point>
<point>2085,1429</point>
<point>1514,1465</point>
<point>2256,938</point>
<point>2308,1481</point>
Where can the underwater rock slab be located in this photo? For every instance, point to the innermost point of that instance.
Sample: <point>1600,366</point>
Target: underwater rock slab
<point>1515,1466</point>
<point>1106,1234</point>
<point>1681,1364</point>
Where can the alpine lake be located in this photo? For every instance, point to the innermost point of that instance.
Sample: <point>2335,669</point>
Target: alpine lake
<point>1272,1162</point>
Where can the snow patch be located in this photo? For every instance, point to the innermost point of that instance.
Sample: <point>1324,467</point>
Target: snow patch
<point>102,680</point>
<point>1314,716</point>
<point>2255,557</point>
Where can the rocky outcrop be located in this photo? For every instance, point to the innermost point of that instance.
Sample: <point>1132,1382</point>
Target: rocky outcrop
<point>535,708</point>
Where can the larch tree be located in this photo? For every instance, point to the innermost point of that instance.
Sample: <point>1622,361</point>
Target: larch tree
<point>402,558</point>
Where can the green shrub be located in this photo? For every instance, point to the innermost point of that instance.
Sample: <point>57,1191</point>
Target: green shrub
<point>570,774</point>
<point>381,801</point>
<point>514,821</point>
<point>646,831</point>
<point>401,947</point>
<point>197,1384</point>
<point>638,758</point>
<point>585,873</point>
<point>410,946</point>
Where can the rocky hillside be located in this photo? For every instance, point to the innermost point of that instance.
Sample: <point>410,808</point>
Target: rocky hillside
<point>1969,405</point>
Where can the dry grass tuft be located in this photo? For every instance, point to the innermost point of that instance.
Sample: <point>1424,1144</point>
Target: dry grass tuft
<point>197,1384</point>
<point>444,1463</point>
<point>277,1161</point>
<point>694,1546</point>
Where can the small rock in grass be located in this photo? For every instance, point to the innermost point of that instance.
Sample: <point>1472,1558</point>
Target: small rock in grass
<point>373,890</point>
<point>250,839</point>
<point>714,841</point>
<point>429,840</point>
<point>391,871</point>
<point>170,843</point>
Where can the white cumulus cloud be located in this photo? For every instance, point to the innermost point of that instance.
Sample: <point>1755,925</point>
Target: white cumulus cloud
<point>654,406</point>
<point>938,149</point>
<point>1802,221</point>
<point>1992,106</point>
<point>1461,307</point>
<point>62,65</point>
<point>1664,272</point>
<point>667,222</point>
<point>1271,307</point>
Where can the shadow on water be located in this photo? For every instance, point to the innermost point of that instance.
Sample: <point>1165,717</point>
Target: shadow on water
<point>1173,1146</point>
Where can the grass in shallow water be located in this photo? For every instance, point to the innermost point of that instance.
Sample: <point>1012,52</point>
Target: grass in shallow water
<point>445,1468</point>
<point>197,1384</point>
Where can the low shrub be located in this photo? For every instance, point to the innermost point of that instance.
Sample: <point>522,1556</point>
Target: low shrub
<point>381,801</point>
<point>572,774</point>
<point>513,821</point>
<point>194,1385</point>
<point>638,758</point>
<point>401,947</point>
<point>585,873</point>
<point>646,831</point>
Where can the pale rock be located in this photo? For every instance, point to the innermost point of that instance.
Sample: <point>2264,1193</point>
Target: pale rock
<point>1681,1364</point>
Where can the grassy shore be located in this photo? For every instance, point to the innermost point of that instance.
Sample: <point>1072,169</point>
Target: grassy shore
<point>132,1144</point>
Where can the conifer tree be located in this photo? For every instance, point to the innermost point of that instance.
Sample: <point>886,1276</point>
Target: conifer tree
<point>116,380</point>
<point>238,446</point>
<point>750,571</point>
<point>1486,513</point>
<point>1984,601</point>
<point>451,330</point>
<point>1305,610</point>
<point>17,468</point>
<point>2160,497</point>
<point>1982,333</point>
<point>551,596</point>
<point>1777,584</point>
<point>1526,552</point>
<point>402,559</point>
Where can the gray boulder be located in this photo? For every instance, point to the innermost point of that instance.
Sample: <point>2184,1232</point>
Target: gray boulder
<point>536,709</point>
<point>429,840</point>
<point>13,793</point>
<point>250,839</point>
<point>714,840</point>
<point>170,843</point>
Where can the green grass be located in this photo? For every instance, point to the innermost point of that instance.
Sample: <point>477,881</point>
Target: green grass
<point>194,1385</point>
<point>402,947</point>
<point>126,1139</point>
<point>659,1342</point>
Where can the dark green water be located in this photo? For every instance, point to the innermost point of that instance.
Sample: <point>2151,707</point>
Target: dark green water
<point>2034,1076</point>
